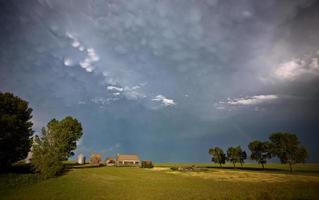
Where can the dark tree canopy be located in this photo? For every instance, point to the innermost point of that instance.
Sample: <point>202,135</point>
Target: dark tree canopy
<point>260,151</point>
<point>15,129</point>
<point>287,148</point>
<point>218,155</point>
<point>243,157</point>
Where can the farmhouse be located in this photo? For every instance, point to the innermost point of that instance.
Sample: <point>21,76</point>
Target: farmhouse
<point>127,160</point>
<point>110,161</point>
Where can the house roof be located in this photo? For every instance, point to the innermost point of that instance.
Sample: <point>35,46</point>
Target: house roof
<point>127,157</point>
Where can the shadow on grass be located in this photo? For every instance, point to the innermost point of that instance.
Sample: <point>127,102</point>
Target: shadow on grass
<point>18,169</point>
<point>70,166</point>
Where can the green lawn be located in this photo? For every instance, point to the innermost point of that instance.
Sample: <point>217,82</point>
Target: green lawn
<point>161,183</point>
<point>251,166</point>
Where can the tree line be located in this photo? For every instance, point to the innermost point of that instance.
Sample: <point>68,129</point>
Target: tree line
<point>283,145</point>
<point>55,144</point>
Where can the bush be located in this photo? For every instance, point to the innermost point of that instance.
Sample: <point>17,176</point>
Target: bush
<point>147,164</point>
<point>46,160</point>
<point>55,145</point>
<point>174,168</point>
<point>95,158</point>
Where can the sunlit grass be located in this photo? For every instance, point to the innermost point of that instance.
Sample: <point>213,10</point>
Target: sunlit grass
<point>162,183</point>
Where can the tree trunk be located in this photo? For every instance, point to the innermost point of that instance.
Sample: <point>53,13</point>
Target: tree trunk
<point>234,164</point>
<point>262,164</point>
<point>290,166</point>
<point>241,164</point>
<point>220,164</point>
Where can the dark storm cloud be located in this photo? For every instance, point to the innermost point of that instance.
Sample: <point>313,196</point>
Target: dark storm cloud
<point>165,79</point>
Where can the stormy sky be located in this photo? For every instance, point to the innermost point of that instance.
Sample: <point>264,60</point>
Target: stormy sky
<point>166,79</point>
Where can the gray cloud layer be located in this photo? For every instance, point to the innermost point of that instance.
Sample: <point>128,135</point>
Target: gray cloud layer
<point>166,79</point>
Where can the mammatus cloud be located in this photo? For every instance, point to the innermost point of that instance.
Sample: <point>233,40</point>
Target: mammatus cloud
<point>112,88</point>
<point>298,68</point>
<point>90,55</point>
<point>246,101</point>
<point>68,62</point>
<point>165,101</point>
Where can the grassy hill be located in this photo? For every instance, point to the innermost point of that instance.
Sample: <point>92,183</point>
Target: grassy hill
<point>90,182</point>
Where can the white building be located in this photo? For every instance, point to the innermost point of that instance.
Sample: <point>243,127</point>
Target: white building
<point>81,159</point>
<point>127,160</point>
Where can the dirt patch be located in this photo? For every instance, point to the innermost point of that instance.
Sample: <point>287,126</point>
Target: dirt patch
<point>160,168</point>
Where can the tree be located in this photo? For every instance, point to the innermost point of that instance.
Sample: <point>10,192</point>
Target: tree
<point>260,151</point>
<point>234,154</point>
<point>95,158</point>
<point>45,158</point>
<point>218,155</point>
<point>15,129</point>
<point>243,157</point>
<point>56,144</point>
<point>287,148</point>
<point>65,133</point>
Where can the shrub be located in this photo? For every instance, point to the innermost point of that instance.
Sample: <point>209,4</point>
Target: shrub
<point>95,158</point>
<point>147,164</point>
<point>174,168</point>
<point>46,160</point>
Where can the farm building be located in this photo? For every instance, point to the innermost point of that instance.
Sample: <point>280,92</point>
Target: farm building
<point>81,159</point>
<point>110,161</point>
<point>127,160</point>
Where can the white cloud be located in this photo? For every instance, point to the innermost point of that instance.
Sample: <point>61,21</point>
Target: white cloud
<point>90,58</point>
<point>253,100</point>
<point>165,101</point>
<point>75,44</point>
<point>81,48</point>
<point>92,55</point>
<point>120,89</point>
<point>290,70</point>
<point>68,62</point>
<point>69,35</point>
<point>296,68</point>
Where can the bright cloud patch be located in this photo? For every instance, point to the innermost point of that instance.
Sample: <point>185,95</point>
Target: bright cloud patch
<point>165,101</point>
<point>254,100</point>
<point>68,62</point>
<point>115,88</point>
<point>90,58</point>
<point>296,68</point>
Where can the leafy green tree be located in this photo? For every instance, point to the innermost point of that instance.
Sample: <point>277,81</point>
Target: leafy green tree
<point>65,134</point>
<point>15,129</point>
<point>56,144</point>
<point>218,155</point>
<point>45,156</point>
<point>234,154</point>
<point>287,148</point>
<point>260,151</point>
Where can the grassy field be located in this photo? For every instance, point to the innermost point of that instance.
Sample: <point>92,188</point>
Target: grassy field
<point>162,183</point>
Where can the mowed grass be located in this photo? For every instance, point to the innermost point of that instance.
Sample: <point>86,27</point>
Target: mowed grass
<point>162,183</point>
<point>309,167</point>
